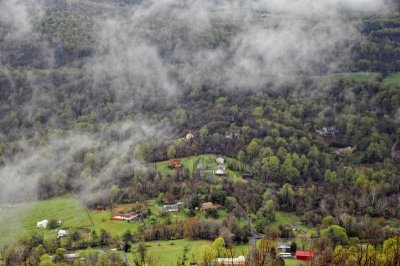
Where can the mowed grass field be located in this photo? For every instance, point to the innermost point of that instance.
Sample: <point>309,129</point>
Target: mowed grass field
<point>391,79</point>
<point>19,219</point>
<point>168,252</point>
<point>207,162</point>
<point>356,76</point>
<point>22,218</point>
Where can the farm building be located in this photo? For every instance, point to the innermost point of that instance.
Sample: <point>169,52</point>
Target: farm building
<point>175,164</point>
<point>170,208</point>
<point>209,205</point>
<point>304,255</point>
<point>221,170</point>
<point>42,224</point>
<point>220,160</point>
<point>62,233</point>
<point>327,131</point>
<point>125,216</point>
<point>189,137</point>
<point>232,261</point>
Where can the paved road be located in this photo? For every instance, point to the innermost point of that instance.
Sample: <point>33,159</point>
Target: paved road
<point>252,240</point>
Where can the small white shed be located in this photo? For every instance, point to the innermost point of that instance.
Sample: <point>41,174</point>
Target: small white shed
<point>42,224</point>
<point>62,233</point>
<point>220,160</point>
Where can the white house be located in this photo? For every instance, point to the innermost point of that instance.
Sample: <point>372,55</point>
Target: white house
<point>232,261</point>
<point>42,224</point>
<point>189,137</point>
<point>171,208</point>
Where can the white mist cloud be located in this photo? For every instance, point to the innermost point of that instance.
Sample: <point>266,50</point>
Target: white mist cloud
<point>19,16</point>
<point>157,44</point>
<point>62,153</point>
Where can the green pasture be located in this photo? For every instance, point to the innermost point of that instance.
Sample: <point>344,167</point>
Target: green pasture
<point>205,163</point>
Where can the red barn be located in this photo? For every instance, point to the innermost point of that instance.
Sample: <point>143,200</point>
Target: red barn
<point>304,255</point>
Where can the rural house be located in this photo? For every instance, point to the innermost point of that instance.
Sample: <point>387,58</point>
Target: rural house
<point>327,131</point>
<point>125,216</point>
<point>232,261</point>
<point>189,137</point>
<point>283,247</point>
<point>220,160</point>
<point>175,164</point>
<point>208,206</point>
<point>171,208</point>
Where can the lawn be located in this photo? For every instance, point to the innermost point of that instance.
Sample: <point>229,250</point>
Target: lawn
<point>392,79</point>
<point>20,219</point>
<point>282,218</point>
<point>102,220</point>
<point>168,252</point>
<point>205,163</point>
<point>293,262</point>
<point>356,76</point>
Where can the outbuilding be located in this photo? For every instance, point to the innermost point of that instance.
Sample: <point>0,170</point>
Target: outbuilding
<point>42,224</point>
<point>62,233</point>
<point>304,255</point>
<point>220,160</point>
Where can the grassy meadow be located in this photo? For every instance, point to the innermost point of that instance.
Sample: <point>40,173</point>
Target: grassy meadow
<point>207,163</point>
<point>168,252</point>
<point>391,79</point>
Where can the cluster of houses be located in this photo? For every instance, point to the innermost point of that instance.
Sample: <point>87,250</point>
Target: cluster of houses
<point>221,169</point>
<point>285,252</point>
<point>205,206</point>
<point>327,131</point>
<point>45,223</point>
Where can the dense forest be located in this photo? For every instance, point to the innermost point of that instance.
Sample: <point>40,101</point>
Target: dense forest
<point>95,93</point>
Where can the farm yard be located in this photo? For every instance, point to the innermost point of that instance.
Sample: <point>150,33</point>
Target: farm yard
<point>74,216</point>
<point>206,166</point>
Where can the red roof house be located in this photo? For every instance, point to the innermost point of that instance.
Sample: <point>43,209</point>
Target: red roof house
<point>304,255</point>
<point>175,164</point>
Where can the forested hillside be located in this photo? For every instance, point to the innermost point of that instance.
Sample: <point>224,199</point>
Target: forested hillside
<point>95,95</point>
